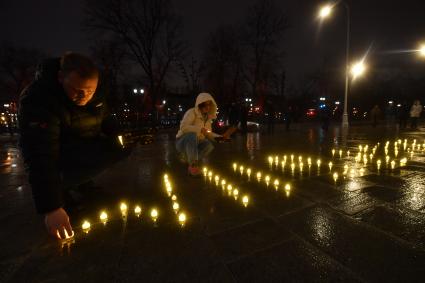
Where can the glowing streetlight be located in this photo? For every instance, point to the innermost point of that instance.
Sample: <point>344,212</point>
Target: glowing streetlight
<point>358,69</point>
<point>325,11</point>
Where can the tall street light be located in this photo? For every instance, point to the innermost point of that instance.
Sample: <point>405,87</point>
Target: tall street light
<point>324,13</point>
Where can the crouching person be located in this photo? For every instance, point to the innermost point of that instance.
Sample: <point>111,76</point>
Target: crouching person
<point>195,137</point>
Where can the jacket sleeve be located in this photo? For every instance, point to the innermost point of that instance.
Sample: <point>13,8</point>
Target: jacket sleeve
<point>39,141</point>
<point>187,124</point>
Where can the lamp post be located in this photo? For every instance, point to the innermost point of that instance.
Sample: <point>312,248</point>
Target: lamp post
<point>325,12</point>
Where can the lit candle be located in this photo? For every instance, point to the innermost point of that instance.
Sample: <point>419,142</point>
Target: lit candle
<point>137,210</point>
<point>287,188</point>
<point>292,158</point>
<point>309,161</point>
<point>205,170</point>
<point>392,165</point>
<point>210,174</point>
<point>103,217</point>
<point>241,169</point>
<point>267,180</point>
<point>223,183</point>
<point>300,158</point>
<point>276,184</point>
<point>258,176</point>
<point>292,166</point>
<point>387,159</point>
<point>301,166</point>
<point>236,193</point>
<point>176,207</point>
<point>378,163</point>
<point>348,153</point>
<point>86,226</point>
<point>330,166</point>
<point>245,200</point>
<point>123,208</point>
<point>154,214</point>
<point>235,166</point>
<point>284,158</point>
<point>270,160</point>
<point>248,172</point>
<point>335,175</point>
<point>340,153</point>
<point>333,152</point>
<point>345,169</point>
<point>318,162</point>
<point>182,219</point>
<point>229,188</point>
<point>361,171</point>
<point>174,198</point>
<point>165,177</point>
<point>216,179</point>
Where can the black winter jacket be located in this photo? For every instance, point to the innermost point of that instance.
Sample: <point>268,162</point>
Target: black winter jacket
<point>50,124</point>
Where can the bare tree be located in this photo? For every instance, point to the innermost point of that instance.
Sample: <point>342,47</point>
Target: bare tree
<point>262,32</point>
<point>192,72</point>
<point>224,64</point>
<point>150,30</point>
<point>17,67</point>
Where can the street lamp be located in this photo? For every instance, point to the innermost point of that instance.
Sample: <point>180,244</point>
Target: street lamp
<point>135,90</point>
<point>142,91</point>
<point>325,12</point>
<point>358,69</point>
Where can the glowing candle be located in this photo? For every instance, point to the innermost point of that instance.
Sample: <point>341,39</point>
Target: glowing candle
<point>301,166</point>
<point>223,183</point>
<point>361,171</point>
<point>345,169</point>
<point>236,193</point>
<point>174,198</point>
<point>235,166</point>
<point>154,214</point>
<point>248,172</point>
<point>86,226</point>
<point>292,158</point>
<point>270,160</point>
<point>216,179</point>
<point>245,200</point>
<point>378,163</point>
<point>309,161</point>
<point>348,153</point>
<point>284,158</point>
<point>258,176</point>
<point>287,187</point>
<point>137,210</point>
<point>276,183</point>
<point>267,180</point>
<point>176,207</point>
<point>241,169</point>
<point>123,208</point>
<point>340,153</point>
<point>300,158</point>
<point>387,159</point>
<point>103,217</point>
<point>165,177</point>
<point>330,166</point>
<point>283,165</point>
<point>335,176</point>
<point>210,174</point>
<point>229,188</point>
<point>360,148</point>
<point>182,219</point>
<point>333,152</point>
<point>292,166</point>
<point>169,189</point>
<point>392,165</point>
<point>371,156</point>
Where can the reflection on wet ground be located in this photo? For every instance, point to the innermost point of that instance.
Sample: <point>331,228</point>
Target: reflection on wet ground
<point>336,206</point>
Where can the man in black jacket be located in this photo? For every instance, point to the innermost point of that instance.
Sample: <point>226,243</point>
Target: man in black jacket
<point>66,134</point>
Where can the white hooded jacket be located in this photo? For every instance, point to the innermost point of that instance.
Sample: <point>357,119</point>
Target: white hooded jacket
<point>193,121</point>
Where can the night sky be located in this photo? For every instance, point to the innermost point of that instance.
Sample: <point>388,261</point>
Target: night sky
<point>55,27</point>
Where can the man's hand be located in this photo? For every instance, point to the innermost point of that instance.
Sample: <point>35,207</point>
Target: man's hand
<point>58,225</point>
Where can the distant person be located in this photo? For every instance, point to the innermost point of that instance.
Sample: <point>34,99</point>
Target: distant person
<point>195,137</point>
<point>403,115</point>
<point>375,113</point>
<point>66,135</point>
<point>415,113</point>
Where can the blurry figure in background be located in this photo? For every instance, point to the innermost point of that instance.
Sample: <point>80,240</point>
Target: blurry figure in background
<point>403,115</point>
<point>289,113</point>
<point>195,137</point>
<point>390,113</point>
<point>325,117</point>
<point>375,113</point>
<point>415,113</point>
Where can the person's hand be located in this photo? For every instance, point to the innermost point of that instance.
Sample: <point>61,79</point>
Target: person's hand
<point>58,225</point>
<point>205,131</point>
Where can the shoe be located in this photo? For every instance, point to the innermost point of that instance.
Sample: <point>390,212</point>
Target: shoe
<point>194,171</point>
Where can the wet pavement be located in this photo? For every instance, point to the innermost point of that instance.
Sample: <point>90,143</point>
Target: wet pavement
<point>350,223</point>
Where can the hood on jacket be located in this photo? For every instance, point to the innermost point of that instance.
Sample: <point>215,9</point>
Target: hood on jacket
<point>203,97</point>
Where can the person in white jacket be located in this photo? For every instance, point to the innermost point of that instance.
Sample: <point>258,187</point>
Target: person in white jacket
<point>195,134</point>
<point>415,113</point>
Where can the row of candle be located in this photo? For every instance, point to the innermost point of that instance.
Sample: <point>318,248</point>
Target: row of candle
<point>176,206</point>
<point>231,190</point>
<point>259,175</point>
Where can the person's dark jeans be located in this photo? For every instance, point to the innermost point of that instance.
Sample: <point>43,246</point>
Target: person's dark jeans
<point>83,161</point>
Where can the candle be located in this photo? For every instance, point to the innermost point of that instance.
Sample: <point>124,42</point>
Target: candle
<point>292,158</point>
<point>333,152</point>
<point>318,163</point>
<point>245,200</point>
<point>392,165</point>
<point>86,226</point>
<point>378,163</point>
<point>309,161</point>
<point>276,184</point>
<point>235,166</point>
<point>236,193</point>
<point>154,214</point>
<point>258,176</point>
<point>248,172</point>
<point>335,176</point>
<point>361,171</point>
<point>267,180</point>
<point>182,219</point>
<point>340,153</point>
<point>241,169</point>
<point>287,187</point>
<point>120,139</point>
<point>330,166</point>
<point>292,166</point>
<point>229,188</point>
<point>301,166</point>
<point>123,208</point>
<point>348,153</point>
<point>176,207</point>
<point>165,177</point>
<point>137,210</point>
<point>103,217</point>
<point>174,198</point>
